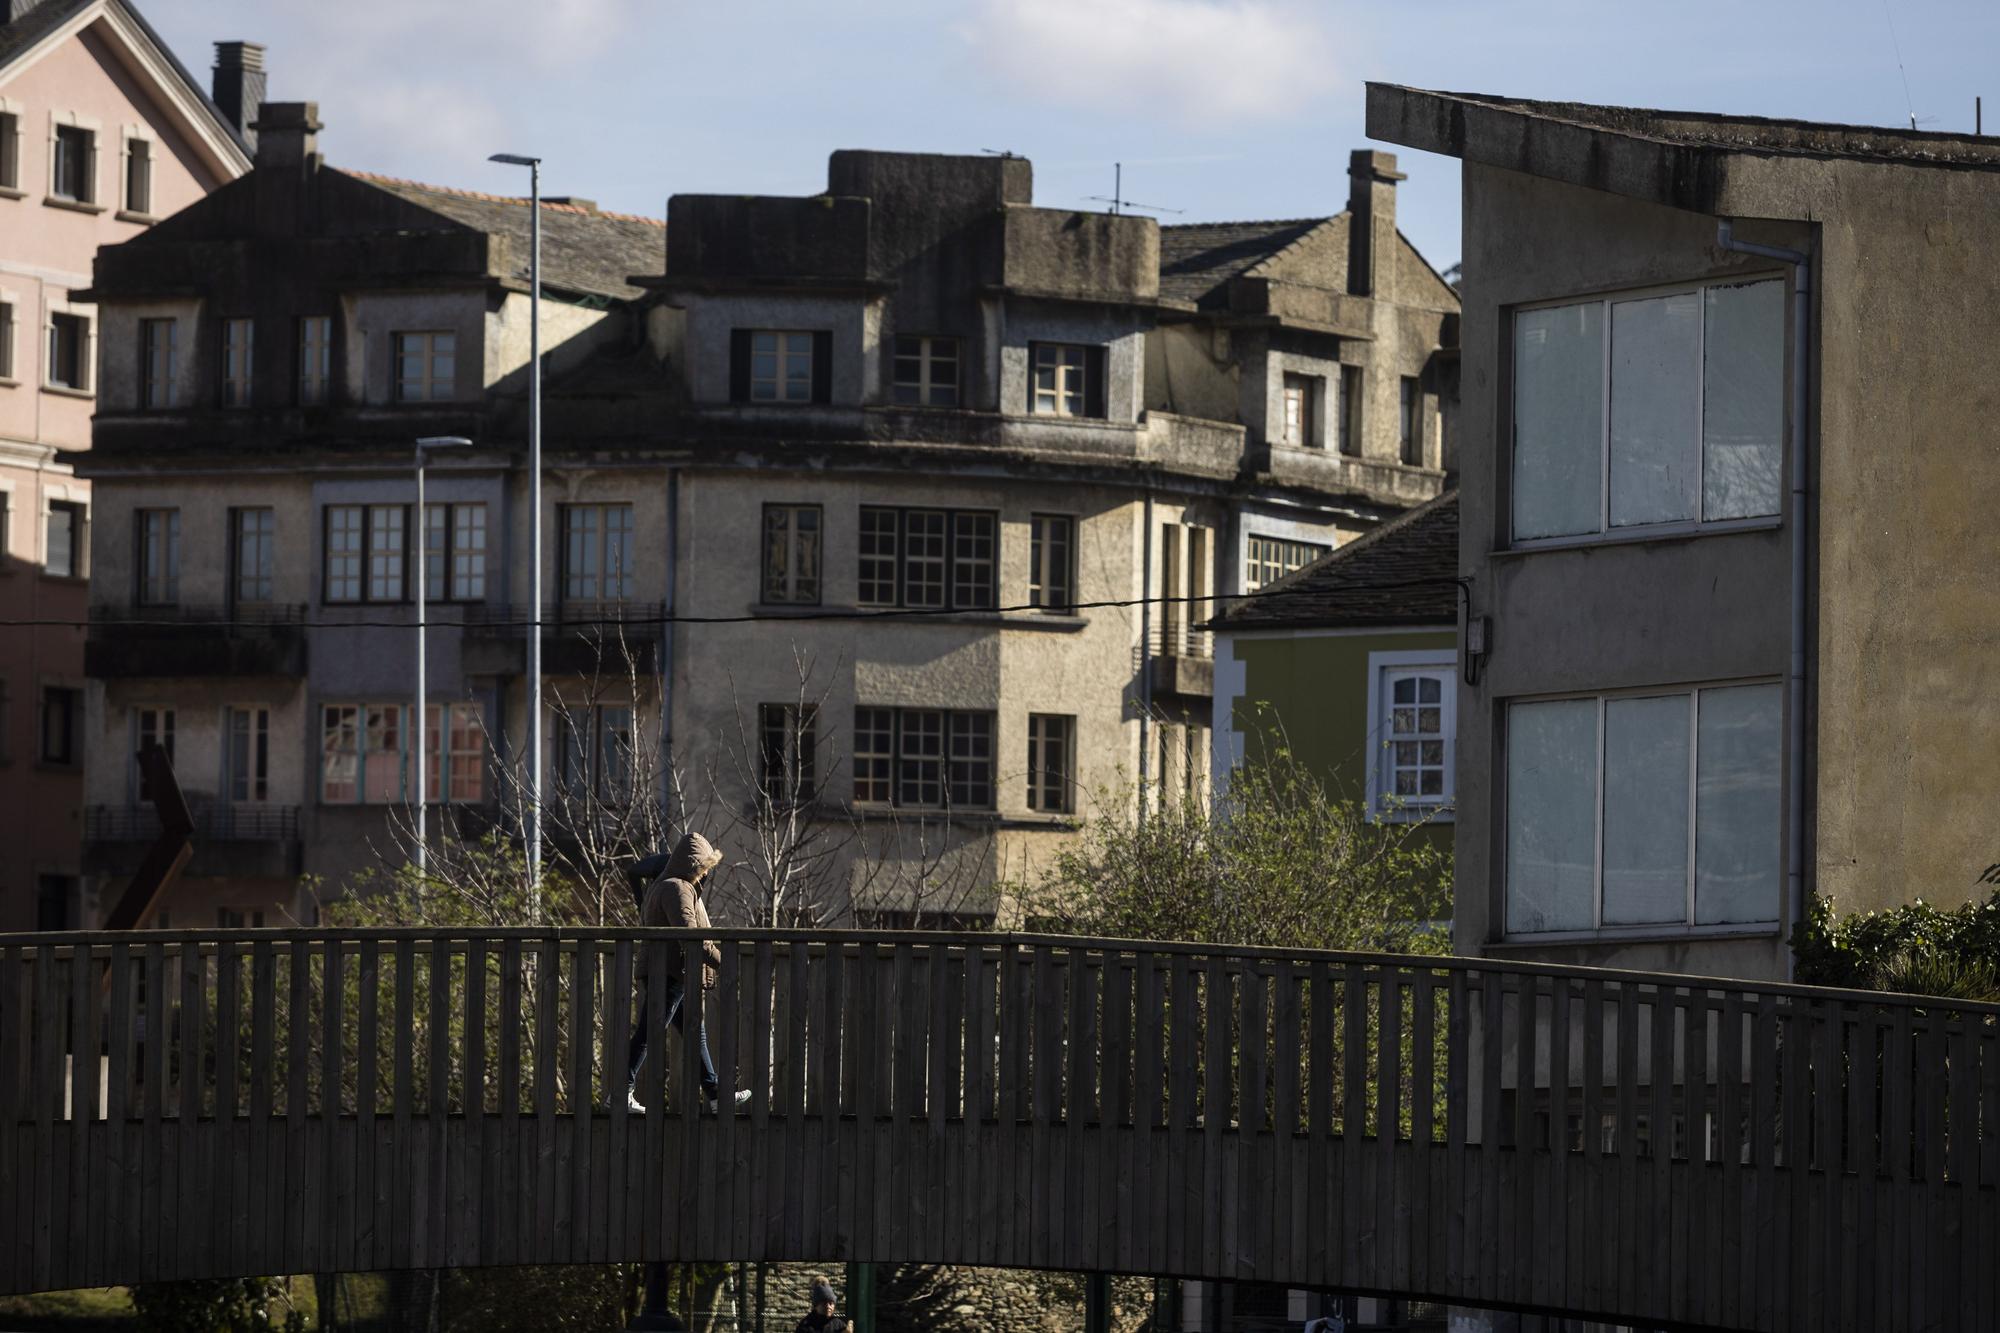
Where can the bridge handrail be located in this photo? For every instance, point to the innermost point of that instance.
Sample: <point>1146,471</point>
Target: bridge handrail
<point>63,943</point>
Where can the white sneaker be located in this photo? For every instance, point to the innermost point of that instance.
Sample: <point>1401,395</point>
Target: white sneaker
<point>743,1100</point>
<point>633,1106</point>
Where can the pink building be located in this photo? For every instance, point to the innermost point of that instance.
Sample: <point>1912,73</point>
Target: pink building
<point>102,132</point>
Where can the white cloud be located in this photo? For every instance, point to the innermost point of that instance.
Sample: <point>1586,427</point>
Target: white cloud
<point>1204,62</point>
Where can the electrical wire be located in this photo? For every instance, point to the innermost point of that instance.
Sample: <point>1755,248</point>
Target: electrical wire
<point>561,622</point>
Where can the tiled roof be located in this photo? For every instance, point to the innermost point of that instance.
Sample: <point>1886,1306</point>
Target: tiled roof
<point>1197,258</point>
<point>1402,573</point>
<point>583,250</point>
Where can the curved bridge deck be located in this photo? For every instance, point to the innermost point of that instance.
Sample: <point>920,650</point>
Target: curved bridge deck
<point>1647,1149</point>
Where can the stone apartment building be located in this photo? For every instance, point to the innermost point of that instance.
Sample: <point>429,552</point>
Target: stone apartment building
<point>1727,512</point>
<point>833,487</point>
<point>102,132</point>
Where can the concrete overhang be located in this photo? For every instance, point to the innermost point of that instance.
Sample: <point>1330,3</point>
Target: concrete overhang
<point>799,285</point>
<point>1742,166</point>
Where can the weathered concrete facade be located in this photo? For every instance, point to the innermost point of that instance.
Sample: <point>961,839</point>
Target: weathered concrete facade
<point>949,384</point>
<point>105,134</point>
<point>1566,203</point>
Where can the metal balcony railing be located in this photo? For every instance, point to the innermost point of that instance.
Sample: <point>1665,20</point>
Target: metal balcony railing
<point>250,822</point>
<point>240,620</point>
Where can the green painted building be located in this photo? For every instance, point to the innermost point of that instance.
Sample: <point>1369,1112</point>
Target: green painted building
<point>1352,663</point>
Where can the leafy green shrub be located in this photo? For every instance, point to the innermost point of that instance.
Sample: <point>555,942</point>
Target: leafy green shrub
<point>222,1305</point>
<point>1918,948</point>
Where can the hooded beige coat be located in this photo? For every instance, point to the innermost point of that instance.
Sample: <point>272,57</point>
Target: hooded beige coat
<point>672,901</point>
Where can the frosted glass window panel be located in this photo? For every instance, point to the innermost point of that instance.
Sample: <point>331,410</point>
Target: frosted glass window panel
<point>1551,816</point>
<point>1743,410</point>
<point>1655,408</point>
<point>1738,818</point>
<point>1646,811</point>
<point>1558,420</point>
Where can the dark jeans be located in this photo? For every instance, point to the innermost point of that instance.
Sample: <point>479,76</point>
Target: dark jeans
<point>635,1054</point>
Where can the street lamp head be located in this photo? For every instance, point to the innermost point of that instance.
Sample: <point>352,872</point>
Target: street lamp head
<point>515,160</point>
<point>444,442</point>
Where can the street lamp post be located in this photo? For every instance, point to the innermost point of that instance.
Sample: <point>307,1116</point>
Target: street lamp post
<point>421,725</point>
<point>534,811</point>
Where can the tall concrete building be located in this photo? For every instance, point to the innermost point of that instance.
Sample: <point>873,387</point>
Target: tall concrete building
<point>1727,516</point>
<point>852,506</point>
<point>102,133</point>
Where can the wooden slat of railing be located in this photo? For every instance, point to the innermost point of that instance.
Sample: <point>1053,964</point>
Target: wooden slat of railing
<point>189,1241</point>
<point>473,1184</point>
<point>401,1163</point>
<point>300,1201</point>
<point>1963,1127</point>
<point>583,1225</point>
<point>367,1093</point>
<point>121,1149</point>
<point>1288,1046</point>
<point>1527,1018</point>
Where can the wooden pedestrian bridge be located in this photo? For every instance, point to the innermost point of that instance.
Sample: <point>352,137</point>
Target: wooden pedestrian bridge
<point>1646,1149</point>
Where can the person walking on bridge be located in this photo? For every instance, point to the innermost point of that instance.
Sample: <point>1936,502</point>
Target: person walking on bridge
<point>667,889</point>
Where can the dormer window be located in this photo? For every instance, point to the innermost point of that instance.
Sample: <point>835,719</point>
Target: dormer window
<point>1067,380</point>
<point>780,366</point>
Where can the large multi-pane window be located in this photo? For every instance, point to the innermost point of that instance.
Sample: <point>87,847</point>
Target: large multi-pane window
<point>781,366</point>
<point>253,552</point>
<point>924,758</point>
<point>247,760</point>
<point>1301,425</point>
<point>455,552</point>
<point>237,335</point>
<point>426,366</point>
<point>158,557</point>
<point>63,556</point>
<point>1644,810</point>
<point>1066,379</point>
<point>1051,763</point>
<point>366,754</point>
<point>927,371</point>
<point>73,170</point>
<point>940,558</point>
<point>1644,410</point>
<point>365,553</point>
<point>1268,559</point>
<point>315,359</point>
<point>596,754</point>
<point>69,352</point>
<point>156,363</point>
<point>596,552</point>
<point>791,554</point>
<point>1052,562</point>
<point>786,751</point>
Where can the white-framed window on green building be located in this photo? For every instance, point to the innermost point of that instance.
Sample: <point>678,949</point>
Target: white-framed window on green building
<point>156,565</point>
<point>1661,409</point>
<point>238,336</point>
<point>1412,733</point>
<point>1052,562</point>
<point>366,756</point>
<point>791,562</point>
<point>926,371</point>
<point>1268,559</point>
<point>1645,810</point>
<point>1051,763</point>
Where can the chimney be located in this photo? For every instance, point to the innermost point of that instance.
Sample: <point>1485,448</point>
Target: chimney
<point>238,86</point>
<point>287,134</point>
<point>1371,225</point>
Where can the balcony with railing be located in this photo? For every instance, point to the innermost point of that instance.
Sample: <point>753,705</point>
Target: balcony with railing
<point>231,840</point>
<point>186,640</point>
<point>1182,661</point>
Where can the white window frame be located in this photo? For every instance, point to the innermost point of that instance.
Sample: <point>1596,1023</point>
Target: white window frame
<point>257,778</point>
<point>10,335</point>
<point>86,357</point>
<point>1651,930</point>
<point>785,350</point>
<point>236,352</point>
<point>10,150</point>
<point>1606,532</point>
<point>1250,560</point>
<point>156,555</point>
<point>1307,431</point>
<point>1047,730</point>
<point>1055,400</point>
<point>932,351</point>
<point>163,730</point>
<point>94,199</point>
<point>1383,805</point>
<point>436,775</point>
<point>429,385</point>
<point>79,556</point>
<point>315,359</point>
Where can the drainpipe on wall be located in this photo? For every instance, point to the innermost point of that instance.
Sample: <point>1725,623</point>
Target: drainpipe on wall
<point>1145,650</point>
<point>1795,675</point>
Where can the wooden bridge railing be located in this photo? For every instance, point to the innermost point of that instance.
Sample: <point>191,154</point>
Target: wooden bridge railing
<point>1645,1147</point>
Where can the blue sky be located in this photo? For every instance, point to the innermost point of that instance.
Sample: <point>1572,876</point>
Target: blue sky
<point>1220,108</point>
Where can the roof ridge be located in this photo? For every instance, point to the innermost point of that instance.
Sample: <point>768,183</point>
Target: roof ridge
<point>484,197</point>
<point>1249,222</point>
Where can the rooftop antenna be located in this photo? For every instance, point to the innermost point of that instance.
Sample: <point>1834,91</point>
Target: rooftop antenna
<point>998,152</point>
<point>1119,203</point>
<point>1897,47</point>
